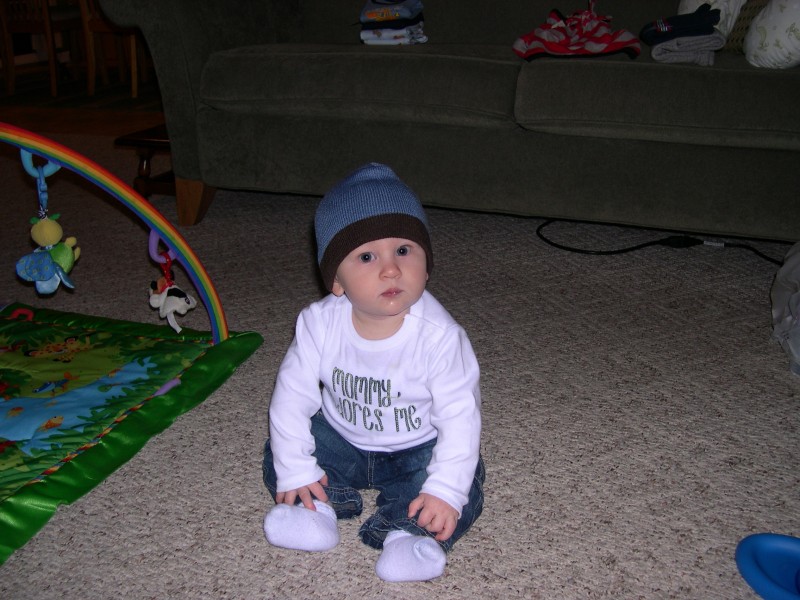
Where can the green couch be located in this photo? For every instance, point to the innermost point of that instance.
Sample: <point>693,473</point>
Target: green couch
<point>281,96</point>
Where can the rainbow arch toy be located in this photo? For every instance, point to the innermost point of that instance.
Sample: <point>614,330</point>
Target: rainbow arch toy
<point>171,237</point>
<point>67,424</point>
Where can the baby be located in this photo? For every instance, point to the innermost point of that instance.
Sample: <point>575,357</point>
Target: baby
<point>378,390</point>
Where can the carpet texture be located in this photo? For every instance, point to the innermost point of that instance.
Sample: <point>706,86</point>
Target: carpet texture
<point>638,422</point>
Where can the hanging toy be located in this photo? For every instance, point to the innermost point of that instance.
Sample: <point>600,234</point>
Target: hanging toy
<point>167,297</point>
<point>50,263</point>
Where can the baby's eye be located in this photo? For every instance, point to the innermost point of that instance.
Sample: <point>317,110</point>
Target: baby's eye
<point>403,251</point>
<point>365,257</point>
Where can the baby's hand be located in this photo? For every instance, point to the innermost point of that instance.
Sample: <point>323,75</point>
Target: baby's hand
<point>435,515</point>
<point>307,493</point>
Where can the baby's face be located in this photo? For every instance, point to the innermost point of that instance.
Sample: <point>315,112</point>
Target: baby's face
<point>382,279</point>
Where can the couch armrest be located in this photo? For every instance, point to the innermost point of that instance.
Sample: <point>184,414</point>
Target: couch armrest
<point>180,35</point>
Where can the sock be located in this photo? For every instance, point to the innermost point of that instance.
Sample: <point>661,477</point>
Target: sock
<point>298,528</point>
<point>408,557</point>
<point>700,22</point>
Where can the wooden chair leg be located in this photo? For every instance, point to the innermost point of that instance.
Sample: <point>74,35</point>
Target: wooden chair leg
<point>8,64</point>
<point>142,57</point>
<point>102,61</point>
<point>91,64</point>
<point>52,61</point>
<point>193,199</point>
<point>134,66</point>
<point>119,57</point>
<point>77,54</point>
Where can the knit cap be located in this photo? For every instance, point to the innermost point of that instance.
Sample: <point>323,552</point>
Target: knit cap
<point>369,204</point>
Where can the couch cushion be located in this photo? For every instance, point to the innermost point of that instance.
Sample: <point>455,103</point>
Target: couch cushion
<point>437,83</point>
<point>729,104</point>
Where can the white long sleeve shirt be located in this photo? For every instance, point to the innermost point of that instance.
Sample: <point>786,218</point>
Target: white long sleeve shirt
<point>380,395</point>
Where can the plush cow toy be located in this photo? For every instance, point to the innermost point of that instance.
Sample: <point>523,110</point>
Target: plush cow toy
<point>169,299</point>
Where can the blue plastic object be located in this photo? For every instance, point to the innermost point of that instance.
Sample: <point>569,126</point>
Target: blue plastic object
<point>770,563</point>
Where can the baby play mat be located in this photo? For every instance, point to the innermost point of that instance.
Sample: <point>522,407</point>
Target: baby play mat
<point>80,395</point>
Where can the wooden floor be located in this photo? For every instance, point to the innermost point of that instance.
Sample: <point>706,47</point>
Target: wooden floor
<point>79,120</point>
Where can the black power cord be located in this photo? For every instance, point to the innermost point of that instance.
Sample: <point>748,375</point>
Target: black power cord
<point>672,241</point>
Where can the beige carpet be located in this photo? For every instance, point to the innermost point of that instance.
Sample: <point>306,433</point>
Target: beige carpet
<point>638,420</point>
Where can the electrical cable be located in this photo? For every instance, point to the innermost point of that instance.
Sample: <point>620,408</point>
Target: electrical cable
<point>746,247</point>
<point>672,241</point>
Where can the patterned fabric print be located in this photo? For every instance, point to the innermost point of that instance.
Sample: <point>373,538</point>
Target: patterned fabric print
<point>583,33</point>
<point>64,387</point>
<point>773,39</point>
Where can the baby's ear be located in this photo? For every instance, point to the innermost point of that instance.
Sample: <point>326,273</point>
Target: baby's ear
<point>337,289</point>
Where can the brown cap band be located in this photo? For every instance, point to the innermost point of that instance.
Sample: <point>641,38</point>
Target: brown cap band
<point>394,225</point>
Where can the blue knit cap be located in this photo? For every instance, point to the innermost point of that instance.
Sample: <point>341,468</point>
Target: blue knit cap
<point>369,204</point>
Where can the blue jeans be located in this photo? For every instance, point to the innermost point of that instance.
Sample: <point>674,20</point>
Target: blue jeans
<point>398,476</point>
